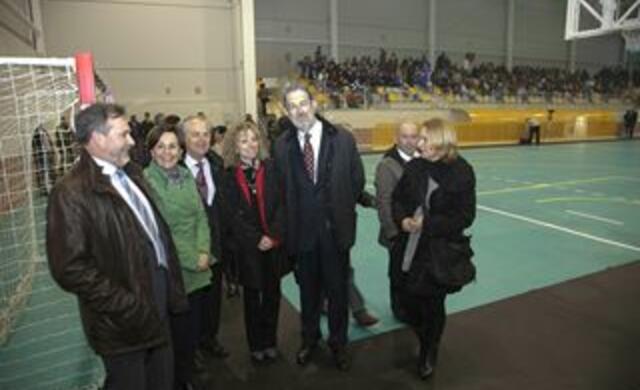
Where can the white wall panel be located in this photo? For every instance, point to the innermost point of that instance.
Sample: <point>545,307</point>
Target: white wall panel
<point>382,23</point>
<point>539,32</point>
<point>153,53</point>
<point>16,35</point>
<point>12,45</point>
<point>472,26</point>
<point>595,52</point>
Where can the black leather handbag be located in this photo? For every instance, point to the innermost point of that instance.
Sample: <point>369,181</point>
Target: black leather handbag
<point>450,262</point>
<point>447,268</point>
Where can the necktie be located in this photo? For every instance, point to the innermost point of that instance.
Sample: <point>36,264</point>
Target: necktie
<point>308,156</point>
<point>201,183</point>
<point>145,217</point>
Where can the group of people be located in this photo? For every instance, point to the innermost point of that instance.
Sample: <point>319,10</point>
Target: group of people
<point>51,157</point>
<point>144,250</point>
<point>468,81</point>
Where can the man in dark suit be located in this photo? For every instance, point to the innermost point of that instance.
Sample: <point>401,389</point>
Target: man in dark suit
<point>630,120</point>
<point>108,244</point>
<point>322,177</point>
<point>196,133</point>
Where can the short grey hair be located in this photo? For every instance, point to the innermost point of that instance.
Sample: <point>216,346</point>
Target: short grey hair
<point>288,88</point>
<point>186,124</point>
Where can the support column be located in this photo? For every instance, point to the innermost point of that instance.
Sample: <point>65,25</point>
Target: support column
<point>432,32</point>
<point>511,16</point>
<point>333,29</point>
<point>36,13</point>
<point>572,56</point>
<point>249,57</point>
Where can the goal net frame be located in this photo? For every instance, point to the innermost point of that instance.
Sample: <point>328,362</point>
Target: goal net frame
<point>34,93</point>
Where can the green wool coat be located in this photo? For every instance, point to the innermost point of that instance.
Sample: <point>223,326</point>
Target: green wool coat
<point>181,207</point>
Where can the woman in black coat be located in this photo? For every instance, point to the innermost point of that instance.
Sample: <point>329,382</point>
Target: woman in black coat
<point>452,209</point>
<point>256,210</point>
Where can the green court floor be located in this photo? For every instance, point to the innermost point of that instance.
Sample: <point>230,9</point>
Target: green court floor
<point>545,215</point>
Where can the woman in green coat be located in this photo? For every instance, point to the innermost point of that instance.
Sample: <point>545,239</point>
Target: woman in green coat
<point>177,197</point>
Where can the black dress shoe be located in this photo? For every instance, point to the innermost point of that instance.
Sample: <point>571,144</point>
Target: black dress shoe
<point>193,384</point>
<point>305,354</point>
<point>199,361</point>
<point>342,359</point>
<point>271,353</point>
<point>257,357</point>
<point>425,370</point>
<point>219,351</point>
<point>232,290</point>
<point>215,349</point>
<point>426,363</point>
<point>365,319</point>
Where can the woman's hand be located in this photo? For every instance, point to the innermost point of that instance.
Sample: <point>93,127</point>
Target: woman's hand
<point>265,244</point>
<point>412,225</point>
<point>203,262</point>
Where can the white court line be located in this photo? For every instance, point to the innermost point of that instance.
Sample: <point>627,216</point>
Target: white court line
<point>595,217</point>
<point>559,228</point>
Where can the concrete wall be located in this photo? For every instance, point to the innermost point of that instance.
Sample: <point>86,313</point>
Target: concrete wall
<point>287,30</point>
<point>16,37</point>
<point>157,55</point>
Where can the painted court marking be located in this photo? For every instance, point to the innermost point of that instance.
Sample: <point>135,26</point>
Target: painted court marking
<point>559,228</point>
<point>540,186</point>
<point>595,217</point>
<point>622,200</point>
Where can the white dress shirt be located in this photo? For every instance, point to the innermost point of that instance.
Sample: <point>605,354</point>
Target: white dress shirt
<point>192,164</point>
<point>109,169</point>
<point>316,138</point>
<point>404,156</point>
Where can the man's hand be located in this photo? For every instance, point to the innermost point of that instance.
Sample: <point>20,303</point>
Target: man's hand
<point>412,225</point>
<point>203,262</point>
<point>265,244</point>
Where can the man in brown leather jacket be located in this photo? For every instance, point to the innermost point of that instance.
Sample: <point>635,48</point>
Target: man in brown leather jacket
<point>108,244</point>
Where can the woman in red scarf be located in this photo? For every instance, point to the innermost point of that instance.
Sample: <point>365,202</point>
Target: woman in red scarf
<point>256,213</point>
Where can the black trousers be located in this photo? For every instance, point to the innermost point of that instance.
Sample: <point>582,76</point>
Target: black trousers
<point>261,310</point>
<point>324,271</point>
<point>150,369</point>
<point>534,132</point>
<point>189,330</point>
<point>216,302</point>
<point>395,292</point>
<point>147,369</point>
<point>356,300</point>
<point>231,269</point>
<point>427,316</point>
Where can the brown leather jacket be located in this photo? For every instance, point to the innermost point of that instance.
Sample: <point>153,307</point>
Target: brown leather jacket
<point>98,251</point>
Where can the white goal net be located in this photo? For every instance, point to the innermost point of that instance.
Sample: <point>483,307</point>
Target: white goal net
<point>35,148</point>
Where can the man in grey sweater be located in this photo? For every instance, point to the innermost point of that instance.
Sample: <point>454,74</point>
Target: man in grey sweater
<point>388,173</point>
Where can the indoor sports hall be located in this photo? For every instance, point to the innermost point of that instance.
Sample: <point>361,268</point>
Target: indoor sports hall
<point>555,236</point>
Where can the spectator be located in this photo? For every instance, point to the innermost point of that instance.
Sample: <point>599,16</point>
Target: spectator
<point>630,120</point>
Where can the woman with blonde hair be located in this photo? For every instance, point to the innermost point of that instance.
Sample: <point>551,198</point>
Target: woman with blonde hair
<point>257,221</point>
<point>434,199</point>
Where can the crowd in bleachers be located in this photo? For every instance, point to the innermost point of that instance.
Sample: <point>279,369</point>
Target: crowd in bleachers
<point>366,80</point>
